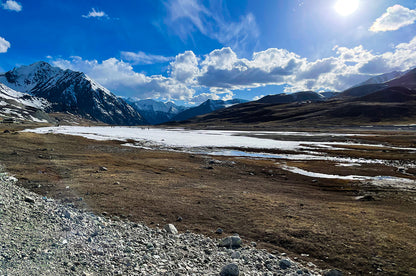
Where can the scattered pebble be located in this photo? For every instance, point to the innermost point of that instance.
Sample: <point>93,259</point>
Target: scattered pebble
<point>53,238</point>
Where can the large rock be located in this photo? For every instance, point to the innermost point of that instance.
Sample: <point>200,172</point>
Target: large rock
<point>230,270</point>
<point>231,242</point>
<point>333,272</point>
<point>171,229</point>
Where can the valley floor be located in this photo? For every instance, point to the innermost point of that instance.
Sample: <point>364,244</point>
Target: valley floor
<point>350,224</point>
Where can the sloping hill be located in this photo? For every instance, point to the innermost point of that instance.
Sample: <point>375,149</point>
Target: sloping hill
<point>363,90</point>
<point>293,97</point>
<point>390,95</point>
<point>407,80</point>
<point>205,108</point>
<point>368,110</point>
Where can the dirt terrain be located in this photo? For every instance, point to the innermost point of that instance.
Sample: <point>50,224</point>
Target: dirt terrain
<point>312,219</point>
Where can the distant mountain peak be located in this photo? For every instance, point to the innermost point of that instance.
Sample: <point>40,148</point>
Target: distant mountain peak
<point>155,112</point>
<point>71,91</point>
<point>206,107</point>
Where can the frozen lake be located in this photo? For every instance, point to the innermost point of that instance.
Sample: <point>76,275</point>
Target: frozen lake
<point>251,144</point>
<point>218,142</point>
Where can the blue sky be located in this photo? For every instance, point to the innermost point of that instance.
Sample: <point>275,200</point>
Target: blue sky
<point>189,51</point>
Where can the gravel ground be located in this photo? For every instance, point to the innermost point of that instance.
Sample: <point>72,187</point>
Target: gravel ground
<point>41,236</point>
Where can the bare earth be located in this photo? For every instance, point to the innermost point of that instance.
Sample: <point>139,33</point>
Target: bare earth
<point>312,219</point>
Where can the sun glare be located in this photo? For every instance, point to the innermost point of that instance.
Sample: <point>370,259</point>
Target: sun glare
<point>346,7</point>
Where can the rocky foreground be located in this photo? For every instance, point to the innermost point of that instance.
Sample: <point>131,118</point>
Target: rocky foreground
<point>40,236</point>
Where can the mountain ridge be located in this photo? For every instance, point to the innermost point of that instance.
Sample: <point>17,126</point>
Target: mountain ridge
<point>71,91</point>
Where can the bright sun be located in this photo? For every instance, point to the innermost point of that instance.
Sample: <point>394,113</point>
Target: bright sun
<point>346,7</point>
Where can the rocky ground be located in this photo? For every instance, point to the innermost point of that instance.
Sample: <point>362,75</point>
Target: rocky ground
<point>41,236</point>
<point>356,227</point>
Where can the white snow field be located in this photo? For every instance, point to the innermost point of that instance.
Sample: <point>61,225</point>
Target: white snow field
<point>237,143</point>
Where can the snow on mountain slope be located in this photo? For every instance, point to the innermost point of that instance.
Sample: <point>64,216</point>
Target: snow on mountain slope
<point>23,98</point>
<point>382,78</point>
<point>155,112</point>
<point>22,106</point>
<point>26,77</point>
<point>73,92</point>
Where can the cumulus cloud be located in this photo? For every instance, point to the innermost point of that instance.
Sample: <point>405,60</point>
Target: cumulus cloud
<point>348,66</point>
<point>12,6</point>
<point>186,17</point>
<point>185,67</point>
<point>221,72</point>
<point>97,14</point>
<point>393,19</point>
<point>119,77</point>
<point>143,58</point>
<point>4,45</point>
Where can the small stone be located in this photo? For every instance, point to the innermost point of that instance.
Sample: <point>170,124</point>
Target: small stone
<point>235,255</point>
<point>253,244</point>
<point>179,219</point>
<point>171,229</point>
<point>219,231</point>
<point>29,199</point>
<point>116,183</point>
<point>103,169</point>
<point>232,242</point>
<point>333,272</point>
<point>230,270</point>
<point>365,198</point>
<point>67,214</point>
<point>284,264</point>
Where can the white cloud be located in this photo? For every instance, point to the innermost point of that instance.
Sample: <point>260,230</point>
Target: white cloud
<point>185,67</point>
<point>143,58</point>
<point>119,77</point>
<point>348,66</point>
<point>12,6</point>
<point>4,45</point>
<point>219,73</point>
<point>200,98</point>
<point>393,19</point>
<point>186,17</point>
<point>94,13</point>
<point>258,97</point>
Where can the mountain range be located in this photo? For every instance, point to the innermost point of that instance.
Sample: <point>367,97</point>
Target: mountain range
<point>206,107</point>
<point>32,92</point>
<point>390,102</point>
<point>156,112</point>
<point>73,92</point>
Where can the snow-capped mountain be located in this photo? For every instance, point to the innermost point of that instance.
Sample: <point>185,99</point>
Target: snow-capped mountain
<point>405,79</point>
<point>22,106</point>
<point>382,78</point>
<point>206,107</point>
<point>155,112</point>
<point>73,92</point>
